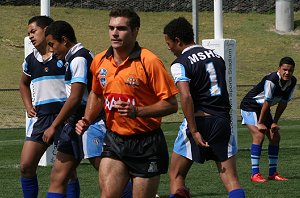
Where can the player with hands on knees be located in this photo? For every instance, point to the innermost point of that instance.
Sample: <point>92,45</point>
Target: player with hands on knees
<point>275,88</point>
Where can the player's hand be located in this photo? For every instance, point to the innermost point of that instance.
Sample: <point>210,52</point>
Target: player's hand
<point>31,112</point>
<point>126,109</point>
<point>81,126</point>
<point>199,140</point>
<point>262,128</point>
<point>49,134</point>
<point>274,128</point>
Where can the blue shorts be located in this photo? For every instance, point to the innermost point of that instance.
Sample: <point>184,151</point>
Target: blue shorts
<point>92,139</point>
<point>216,131</point>
<point>252,118</point>
<point>36,126</point>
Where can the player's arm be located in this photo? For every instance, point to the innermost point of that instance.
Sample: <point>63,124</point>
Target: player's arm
<point>158,109</point>
<point>279,110</point>
<point>187,106</point>
<point>70,106</point>
<point>93,108</point>
<point>25,91</point>
<point>260,124</point>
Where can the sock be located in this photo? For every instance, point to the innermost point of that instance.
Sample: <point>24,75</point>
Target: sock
<point>30,187</point>
<point>73,190</point>
<point>55,195</point>
<point>237,193</point>
<point>127,193</point>
<point>273,151</point>
<point>255,157</point>
<point>172,195</point>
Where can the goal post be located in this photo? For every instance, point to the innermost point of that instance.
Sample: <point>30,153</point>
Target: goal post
<point>227,49</point>
<point>49,155</point>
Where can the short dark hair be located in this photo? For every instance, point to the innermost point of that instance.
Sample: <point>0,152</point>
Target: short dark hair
<point>134,19</point>
<point>181,29</point>
<point>58,29</point>
<point>41,21</point>
<point>287,60</point>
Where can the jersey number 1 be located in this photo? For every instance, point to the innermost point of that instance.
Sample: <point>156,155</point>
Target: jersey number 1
<point>214,87</point>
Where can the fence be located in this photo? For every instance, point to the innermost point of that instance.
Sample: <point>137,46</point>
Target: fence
<point>260,6</point>
<point>12,113</point>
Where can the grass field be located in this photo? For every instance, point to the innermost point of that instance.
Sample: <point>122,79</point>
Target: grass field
<point>202,179</point>
<point>259,47</point>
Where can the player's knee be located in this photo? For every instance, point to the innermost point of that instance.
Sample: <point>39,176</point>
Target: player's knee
<point>27,170</point>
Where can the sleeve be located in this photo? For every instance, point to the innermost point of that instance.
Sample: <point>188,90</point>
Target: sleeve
<point>269,88</point>
<point>26,68</point>
<point>160,80</point>
<point>178,73</point>
<point>79,69</point>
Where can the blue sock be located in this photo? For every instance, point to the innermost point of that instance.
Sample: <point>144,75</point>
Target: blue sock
<point>172,195</point>
<point>237,193</point>
<point>73,190</point>
<point>127,193</point>
<point>255,157</point>
<point>30,187</point>
<point>273,151</point>
<point>55,195</point>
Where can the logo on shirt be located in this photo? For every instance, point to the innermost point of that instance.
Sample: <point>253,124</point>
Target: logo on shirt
<point>102,72</point>
<point>102,75</point>
<point>132,80</point>
<point>60,63</point>
<point>112,98</point>
<point>46,69</point>
<point>103,81</point>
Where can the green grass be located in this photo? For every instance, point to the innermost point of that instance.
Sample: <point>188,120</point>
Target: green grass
<point>202,179</point>
<point>259,47</point>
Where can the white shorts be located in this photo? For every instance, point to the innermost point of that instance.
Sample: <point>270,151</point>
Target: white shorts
<point>251,118</point>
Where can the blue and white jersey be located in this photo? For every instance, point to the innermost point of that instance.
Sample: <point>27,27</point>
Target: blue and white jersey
<point>269,89</point>
<point>78,61</point>
<point>205,72</point>
<point>47,82</point>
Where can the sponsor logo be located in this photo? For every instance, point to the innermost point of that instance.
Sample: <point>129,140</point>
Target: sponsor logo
<point>112,98</point>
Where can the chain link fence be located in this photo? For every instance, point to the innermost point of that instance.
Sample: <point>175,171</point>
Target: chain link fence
<point>242,6</point>
<point>12,112</point>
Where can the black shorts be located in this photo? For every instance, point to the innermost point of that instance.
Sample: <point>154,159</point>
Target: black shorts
<point>69,141</point>
<point>216,131</point>
<point>42,123</point>
<point>146,155</point>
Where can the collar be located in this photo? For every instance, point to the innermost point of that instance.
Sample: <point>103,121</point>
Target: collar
<point>39,57</point>
<point>73,50</point>
<point>190,47</point>
<point>134,54</point>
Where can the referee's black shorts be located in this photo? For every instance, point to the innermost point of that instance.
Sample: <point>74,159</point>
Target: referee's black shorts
<point>146,154</point>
